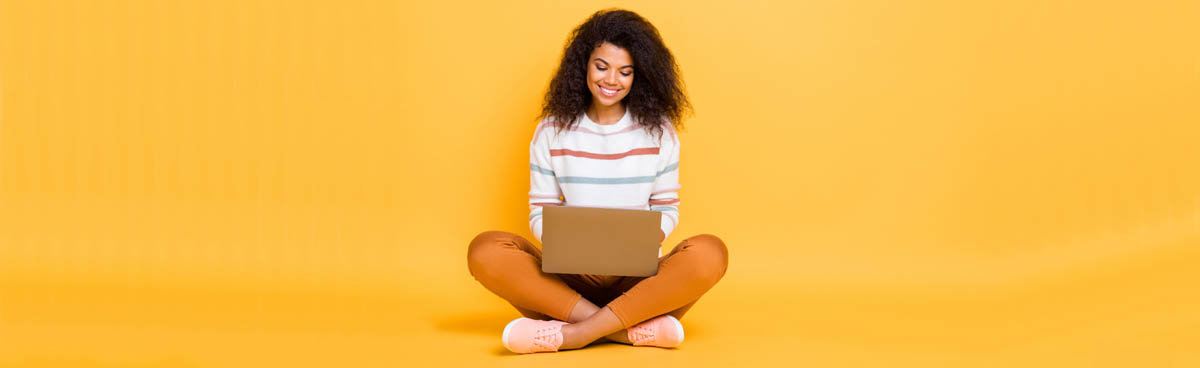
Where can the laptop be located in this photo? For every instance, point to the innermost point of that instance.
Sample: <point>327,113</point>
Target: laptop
<point>600,241</point>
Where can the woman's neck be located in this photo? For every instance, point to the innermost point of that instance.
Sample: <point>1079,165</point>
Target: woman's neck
<point>606,115</point>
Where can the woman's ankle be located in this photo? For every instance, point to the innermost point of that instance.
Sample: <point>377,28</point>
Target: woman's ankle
<point>621,337</point>
<point>595,327</point>
<point>573,337</point>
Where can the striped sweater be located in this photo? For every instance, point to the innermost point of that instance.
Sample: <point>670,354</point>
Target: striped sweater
<point>616,166</point>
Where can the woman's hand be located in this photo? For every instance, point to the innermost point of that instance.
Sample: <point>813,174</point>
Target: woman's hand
<point>661,236</point>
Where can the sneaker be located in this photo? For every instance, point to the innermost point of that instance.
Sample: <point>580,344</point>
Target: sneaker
<point>525,335</point>
<point>662,331</point>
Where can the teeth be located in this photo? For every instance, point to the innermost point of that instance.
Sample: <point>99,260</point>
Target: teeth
<point>608,91</point>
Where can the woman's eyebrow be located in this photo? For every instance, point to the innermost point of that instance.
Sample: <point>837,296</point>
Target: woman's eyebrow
<point>606,63</point>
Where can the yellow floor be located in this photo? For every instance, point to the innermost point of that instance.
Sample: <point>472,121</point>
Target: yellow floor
<point>69,301</point>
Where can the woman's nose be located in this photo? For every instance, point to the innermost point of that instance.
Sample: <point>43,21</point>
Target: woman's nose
<point>611,78</point>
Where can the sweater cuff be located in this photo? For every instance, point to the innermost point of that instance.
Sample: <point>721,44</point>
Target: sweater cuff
<point>537,230</point>
<point>667,224</point>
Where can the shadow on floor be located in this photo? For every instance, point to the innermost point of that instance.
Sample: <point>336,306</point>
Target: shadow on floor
<point>492,324</point>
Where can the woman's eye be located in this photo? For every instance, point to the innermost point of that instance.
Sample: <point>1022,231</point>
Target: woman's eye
<point>626,74</point>
<point>601,68</point>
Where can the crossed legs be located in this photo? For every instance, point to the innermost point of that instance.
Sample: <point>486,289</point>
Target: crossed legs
<point>509,266</point>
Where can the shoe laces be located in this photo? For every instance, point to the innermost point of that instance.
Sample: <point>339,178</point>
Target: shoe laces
<point>641,334</point>
<point>549,336</point>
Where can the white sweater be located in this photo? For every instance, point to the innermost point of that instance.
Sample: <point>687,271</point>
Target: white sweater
<point>617,166</point>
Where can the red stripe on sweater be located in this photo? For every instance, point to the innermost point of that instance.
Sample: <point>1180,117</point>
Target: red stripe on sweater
<point>664,201</point>
<point>604,156</point>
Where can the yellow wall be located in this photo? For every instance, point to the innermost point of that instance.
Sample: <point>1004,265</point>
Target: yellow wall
<point>899,183</point>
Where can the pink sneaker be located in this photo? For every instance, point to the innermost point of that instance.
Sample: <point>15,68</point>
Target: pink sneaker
<point>525,335</point>
<point>662,331</point>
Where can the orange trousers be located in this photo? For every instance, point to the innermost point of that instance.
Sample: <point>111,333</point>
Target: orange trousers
<point>511,267</point>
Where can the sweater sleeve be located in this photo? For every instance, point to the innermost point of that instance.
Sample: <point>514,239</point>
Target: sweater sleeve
<point>543,184</point>
<point>664,197</point>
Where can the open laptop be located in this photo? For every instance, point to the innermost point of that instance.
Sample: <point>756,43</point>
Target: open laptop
<point>600,241</point>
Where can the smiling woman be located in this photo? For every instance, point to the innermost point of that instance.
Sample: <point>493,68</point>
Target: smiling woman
<point>614,144</point>
<point>623,42</point>
<point>608,82</point>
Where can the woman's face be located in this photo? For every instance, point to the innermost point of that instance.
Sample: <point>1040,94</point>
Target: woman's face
<point>610,74</point>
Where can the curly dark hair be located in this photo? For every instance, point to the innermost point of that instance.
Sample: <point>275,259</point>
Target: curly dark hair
<point>657,92</point>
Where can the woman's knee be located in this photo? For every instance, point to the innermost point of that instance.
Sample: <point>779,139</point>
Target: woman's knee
<point>483,247</point>
<point>713,254</point>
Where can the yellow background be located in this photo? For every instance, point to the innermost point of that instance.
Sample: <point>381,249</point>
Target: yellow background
<point>294,183</point>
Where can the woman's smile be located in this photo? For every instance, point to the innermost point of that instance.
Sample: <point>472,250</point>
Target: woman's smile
<point>607,92</point>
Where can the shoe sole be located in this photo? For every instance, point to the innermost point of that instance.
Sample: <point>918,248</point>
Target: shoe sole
<point>504,336</point>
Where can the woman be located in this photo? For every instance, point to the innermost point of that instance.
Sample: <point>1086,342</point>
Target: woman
<point>606,139</point>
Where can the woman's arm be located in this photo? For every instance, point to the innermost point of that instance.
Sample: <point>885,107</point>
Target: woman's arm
<point>664,197</point>
<point>543,184</point>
